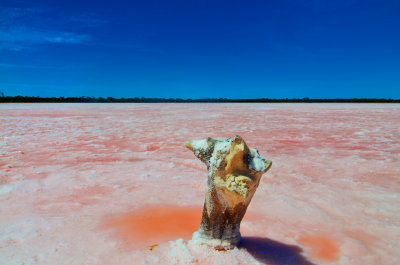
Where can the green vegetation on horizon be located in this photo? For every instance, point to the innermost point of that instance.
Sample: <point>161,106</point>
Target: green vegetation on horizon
<point>25,99</point>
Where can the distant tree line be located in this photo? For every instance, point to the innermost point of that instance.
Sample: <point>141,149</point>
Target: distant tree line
<point>24,99</point>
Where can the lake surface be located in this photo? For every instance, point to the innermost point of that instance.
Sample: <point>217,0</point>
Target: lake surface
<point>114,184</point>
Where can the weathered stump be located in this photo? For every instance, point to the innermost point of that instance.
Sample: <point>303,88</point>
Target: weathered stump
<point>234,172</point>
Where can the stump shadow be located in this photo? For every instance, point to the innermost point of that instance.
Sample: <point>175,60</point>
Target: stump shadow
<point>272,252</point>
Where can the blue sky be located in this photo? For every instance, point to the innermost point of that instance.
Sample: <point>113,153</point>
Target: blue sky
<point>197,49</point>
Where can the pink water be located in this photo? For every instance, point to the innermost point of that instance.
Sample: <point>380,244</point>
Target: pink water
<point>114,184</point>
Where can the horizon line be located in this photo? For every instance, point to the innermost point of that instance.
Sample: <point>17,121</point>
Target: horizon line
<point>108,99</point>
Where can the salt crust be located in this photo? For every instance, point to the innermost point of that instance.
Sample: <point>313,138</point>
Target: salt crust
<point>336,167</point>
<point>181,252</point>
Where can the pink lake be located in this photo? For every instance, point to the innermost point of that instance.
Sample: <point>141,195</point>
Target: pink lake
<point>114,183</point>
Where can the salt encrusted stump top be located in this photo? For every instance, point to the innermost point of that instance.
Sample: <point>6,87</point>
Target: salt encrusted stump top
<point>234,172</point>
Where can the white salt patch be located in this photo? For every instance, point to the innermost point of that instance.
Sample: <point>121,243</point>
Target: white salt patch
<point>199,144</point>
<point>153,259</point>
<point>171,165</point>
<point>206,254</point>
<point>257,162</point>
<point>4,189</point>
<point>93,173</point>
<point>180,253</point>
<point>220,147</point>
<point>144,176</point>
<point>197,239</point>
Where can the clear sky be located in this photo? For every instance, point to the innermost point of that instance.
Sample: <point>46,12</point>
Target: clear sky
<point>196,49</point>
